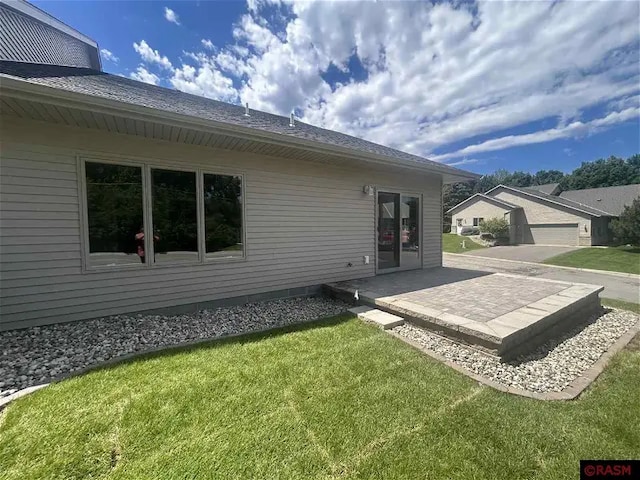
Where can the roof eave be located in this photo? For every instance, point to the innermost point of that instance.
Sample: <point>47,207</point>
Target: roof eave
<point>20,88</point>
<point>505,205</point>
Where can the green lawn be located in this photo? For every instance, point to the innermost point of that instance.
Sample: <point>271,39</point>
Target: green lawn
<point>339,399</point>
<point>616,259</point>
<point>621,305</point>
<point>451,243</point>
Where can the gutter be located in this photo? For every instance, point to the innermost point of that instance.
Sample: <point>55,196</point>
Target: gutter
<point>31,91</point>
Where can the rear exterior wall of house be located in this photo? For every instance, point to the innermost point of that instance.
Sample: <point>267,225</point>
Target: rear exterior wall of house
<point>305,223</point>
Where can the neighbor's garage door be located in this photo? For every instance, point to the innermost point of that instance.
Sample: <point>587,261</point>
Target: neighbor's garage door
<point>554,234</point>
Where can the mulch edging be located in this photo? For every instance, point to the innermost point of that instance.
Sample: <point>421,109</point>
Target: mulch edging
<point>575,388</point>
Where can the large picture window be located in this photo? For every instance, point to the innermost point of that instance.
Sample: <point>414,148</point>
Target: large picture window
<point>192,216</point>
<point>115,213</point>
<point>223,216</point>
<point>175,216</point>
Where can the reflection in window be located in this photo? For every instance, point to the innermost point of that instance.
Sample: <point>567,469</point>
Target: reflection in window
<point>175,216</point>
<point>409,207</point>
<point>223,216</point>
<point>114,210</point>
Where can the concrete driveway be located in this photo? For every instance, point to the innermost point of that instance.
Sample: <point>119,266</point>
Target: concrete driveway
<point>522,253</point>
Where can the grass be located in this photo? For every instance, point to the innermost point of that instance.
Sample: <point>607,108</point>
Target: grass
<point>339,400</point>
<point>615,259</point>
<point>451,243</point>
<point>621,305</point>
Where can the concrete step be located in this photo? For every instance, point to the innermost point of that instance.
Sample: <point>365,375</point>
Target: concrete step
<point>384,320</point>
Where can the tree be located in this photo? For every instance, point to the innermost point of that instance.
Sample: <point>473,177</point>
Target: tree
<point>547,176</point>
<point>498,227</point>
<point>451,196</point>
<point>626,228</point>
<point>603,173</point>
<point>518,179</point>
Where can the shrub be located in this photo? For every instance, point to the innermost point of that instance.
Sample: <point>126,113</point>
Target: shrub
<point>498,227</point>
<point>626,228</point>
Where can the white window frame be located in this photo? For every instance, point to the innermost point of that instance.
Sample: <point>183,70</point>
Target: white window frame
<point>147,206</point>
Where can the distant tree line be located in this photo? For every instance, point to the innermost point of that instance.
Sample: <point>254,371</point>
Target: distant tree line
<point>608,172</point>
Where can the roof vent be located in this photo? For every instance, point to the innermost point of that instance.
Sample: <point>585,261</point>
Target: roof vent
<point>292,120</point>
<point>246,110</point>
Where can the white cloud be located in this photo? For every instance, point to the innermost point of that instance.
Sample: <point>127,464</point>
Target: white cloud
<point>143,75</point>
<point>435,75</point>
<point>150,55</point>
<point>573,130</point>
<point>206,79</point>
<point>171,16</point>
<point>106,54</point>
<point>464,161</point>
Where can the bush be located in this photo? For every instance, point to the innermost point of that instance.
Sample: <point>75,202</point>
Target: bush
<point>498,227</point>
<point>626,228</point>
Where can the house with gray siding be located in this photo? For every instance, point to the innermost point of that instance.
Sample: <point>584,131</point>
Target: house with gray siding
<point>118,196</point>
<point>546,215</point>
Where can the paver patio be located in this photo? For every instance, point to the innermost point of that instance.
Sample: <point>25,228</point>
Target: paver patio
<point>502,313</point>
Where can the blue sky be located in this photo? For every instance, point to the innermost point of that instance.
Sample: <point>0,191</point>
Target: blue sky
<point>521,85</point>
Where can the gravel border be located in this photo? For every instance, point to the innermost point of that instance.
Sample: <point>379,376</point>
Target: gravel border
<point>40,355</point>
<point>559,369</point>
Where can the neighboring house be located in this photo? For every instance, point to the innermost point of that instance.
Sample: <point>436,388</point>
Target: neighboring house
<point>576,217</point>
<point>119,196</point>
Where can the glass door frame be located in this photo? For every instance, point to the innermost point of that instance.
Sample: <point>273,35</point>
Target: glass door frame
<point>401,192</point>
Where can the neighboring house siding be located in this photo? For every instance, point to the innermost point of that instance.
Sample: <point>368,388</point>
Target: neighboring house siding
<point>539,213</point>
<point>304,223</point>
<point>479,209</point>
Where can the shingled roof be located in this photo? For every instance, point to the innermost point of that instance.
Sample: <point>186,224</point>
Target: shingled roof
<point>565,202</point>
<point>548,188</point>
<point>113,87</point>
<point>610,199</point>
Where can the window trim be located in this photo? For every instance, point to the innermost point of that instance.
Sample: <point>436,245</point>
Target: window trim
<point>147,211</point>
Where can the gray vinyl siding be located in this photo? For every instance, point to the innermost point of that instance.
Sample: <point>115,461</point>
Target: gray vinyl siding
<point>304,223</point>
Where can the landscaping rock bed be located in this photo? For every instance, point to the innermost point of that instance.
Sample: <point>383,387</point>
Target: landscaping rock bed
<point>550,368</point>
<point>37,355</point>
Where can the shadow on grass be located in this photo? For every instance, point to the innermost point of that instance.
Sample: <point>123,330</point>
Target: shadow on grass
<point>205,343</point>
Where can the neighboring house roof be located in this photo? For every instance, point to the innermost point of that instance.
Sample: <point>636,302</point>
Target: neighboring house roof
<point>114,88</point>
<point>564,202</point>
<point>479,196</point>
<point>609,199</point>
<point>548,188</point>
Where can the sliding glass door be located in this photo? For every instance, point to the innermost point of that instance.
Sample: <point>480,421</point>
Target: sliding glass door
<point>388,230</point>
<point>398,231</point>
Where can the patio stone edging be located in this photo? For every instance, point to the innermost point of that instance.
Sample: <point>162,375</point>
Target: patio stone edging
<point>4,401</point>
<point>572,391</point>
